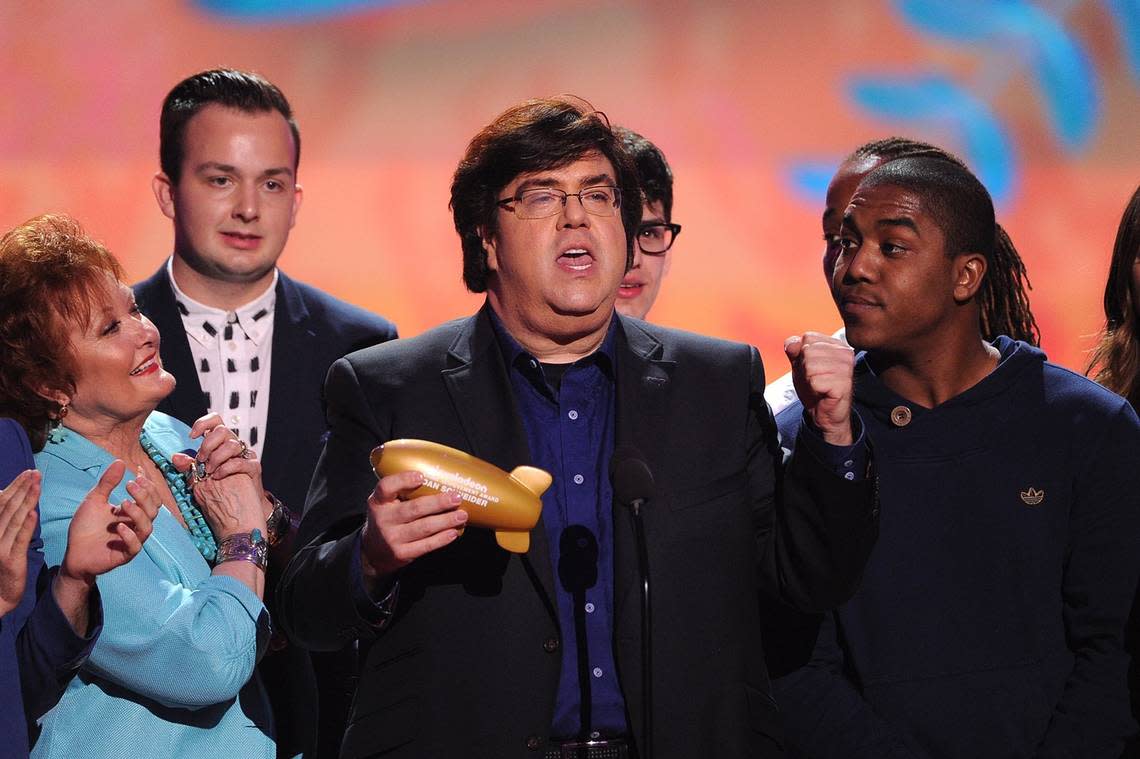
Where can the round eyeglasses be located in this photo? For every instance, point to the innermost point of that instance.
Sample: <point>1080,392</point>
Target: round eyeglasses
<point>656,238</point>
<point>543,202</point>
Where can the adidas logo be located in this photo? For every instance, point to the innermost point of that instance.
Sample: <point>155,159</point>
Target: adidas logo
<point>1033,496</point>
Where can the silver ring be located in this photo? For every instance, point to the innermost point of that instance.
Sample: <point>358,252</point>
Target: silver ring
<point>196,474</point>
<point>245,452</point>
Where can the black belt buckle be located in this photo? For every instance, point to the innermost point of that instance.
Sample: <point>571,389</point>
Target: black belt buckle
<point>598,748</point>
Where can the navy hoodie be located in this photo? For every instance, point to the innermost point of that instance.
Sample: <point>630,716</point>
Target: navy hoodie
<point>989,622</point>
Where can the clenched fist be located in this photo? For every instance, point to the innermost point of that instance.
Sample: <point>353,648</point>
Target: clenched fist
<point>823,370</point>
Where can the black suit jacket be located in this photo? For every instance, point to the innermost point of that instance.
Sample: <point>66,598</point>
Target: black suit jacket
<point>311,330</point>
<point>470,663</point>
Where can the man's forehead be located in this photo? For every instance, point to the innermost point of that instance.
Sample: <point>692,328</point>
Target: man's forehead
<point>586,169</point>
<point>886,201</point>
<point>218,127</point>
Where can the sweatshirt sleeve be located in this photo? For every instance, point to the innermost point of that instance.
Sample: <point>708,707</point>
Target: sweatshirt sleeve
<point>815,527</point>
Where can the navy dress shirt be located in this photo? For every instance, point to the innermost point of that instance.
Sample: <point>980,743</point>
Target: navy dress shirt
<point>568,414</point>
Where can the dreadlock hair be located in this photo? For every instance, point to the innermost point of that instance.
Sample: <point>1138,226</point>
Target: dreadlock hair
<point>1116,357</point>
<point>1004,296</point>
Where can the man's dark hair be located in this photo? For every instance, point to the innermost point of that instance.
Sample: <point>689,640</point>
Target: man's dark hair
<point>1005,290</point>
<point>951,194</point>
<point>240,90</point>
<point>652,169</point>
<point>538,135</point>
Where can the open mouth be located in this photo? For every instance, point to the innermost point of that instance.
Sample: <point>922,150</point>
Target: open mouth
<point>576,259</point>
<point>146,367</point>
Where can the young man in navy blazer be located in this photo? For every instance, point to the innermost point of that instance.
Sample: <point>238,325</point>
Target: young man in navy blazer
<point>241,337</point>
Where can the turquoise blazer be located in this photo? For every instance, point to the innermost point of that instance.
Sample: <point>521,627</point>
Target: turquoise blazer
<point>172,673</point>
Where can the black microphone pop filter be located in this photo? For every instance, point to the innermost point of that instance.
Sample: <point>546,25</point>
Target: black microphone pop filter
<point>630,474</point>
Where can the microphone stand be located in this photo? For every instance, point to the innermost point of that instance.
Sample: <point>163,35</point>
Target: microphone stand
<point>646,627</point>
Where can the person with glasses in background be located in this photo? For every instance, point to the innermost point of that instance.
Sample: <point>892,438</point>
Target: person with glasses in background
<point>655,233</point>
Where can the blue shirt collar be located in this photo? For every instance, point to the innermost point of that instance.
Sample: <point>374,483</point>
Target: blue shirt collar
<point>519,358</point>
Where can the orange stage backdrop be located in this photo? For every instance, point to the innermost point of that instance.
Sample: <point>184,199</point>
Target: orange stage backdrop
<point>752,102</point>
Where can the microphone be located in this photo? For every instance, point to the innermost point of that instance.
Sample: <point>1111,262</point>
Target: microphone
<point>633,486</point>
<point>633,482</point>
<point>578,572</point>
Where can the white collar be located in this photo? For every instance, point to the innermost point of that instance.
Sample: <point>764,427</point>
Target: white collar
<point>255,317</point>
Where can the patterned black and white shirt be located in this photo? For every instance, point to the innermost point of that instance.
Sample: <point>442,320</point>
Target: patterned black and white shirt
<point>232,352</point>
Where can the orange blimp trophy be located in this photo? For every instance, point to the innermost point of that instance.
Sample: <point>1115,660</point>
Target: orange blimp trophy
<point>507,502</point>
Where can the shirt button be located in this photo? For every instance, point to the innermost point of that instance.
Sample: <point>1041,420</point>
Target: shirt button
<point>597,671</point>
<point>848,462</point>
<point>550,645</point>
<point>573,414</point>
<point>235,419</point>
<point>589,608</point>
<point>533,742</point>
<point>595,735</point>
<point>900,416</point>
<point>579,479</point>
<point>849,476</point>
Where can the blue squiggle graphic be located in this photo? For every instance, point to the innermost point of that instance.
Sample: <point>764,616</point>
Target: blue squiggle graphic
<point>809,178</point>
<point>292,10</point>
<point>938,104</point>
<point>1127,16</point>
<point>1058,62</point>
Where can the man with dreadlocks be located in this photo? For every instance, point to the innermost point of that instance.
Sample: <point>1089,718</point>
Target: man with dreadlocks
<point>990,618</point>
<point>1004,299</point>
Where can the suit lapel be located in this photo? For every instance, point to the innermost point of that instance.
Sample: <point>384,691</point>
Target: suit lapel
<point>644,386</point>
<point>480,390</point>
<point>156,300</point>
<point>293,351</point>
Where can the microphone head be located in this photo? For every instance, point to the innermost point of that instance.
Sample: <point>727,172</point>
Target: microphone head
<point>630,474</point>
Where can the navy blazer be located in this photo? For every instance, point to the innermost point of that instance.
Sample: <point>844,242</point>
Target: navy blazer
<point>311,330</point>
<point>39,652</point>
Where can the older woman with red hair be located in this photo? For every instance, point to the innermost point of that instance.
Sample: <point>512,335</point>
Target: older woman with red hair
<point>172,673</point>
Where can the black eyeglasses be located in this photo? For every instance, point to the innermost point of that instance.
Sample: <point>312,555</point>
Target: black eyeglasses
<point>656,238</point>
<point>543,202</point>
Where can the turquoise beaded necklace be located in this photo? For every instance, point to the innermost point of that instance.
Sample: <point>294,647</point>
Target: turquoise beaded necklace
<point>199,530</point>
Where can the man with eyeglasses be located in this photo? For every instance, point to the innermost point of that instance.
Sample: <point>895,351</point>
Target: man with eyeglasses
<point>655,234</point>
<point>477,652</point>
